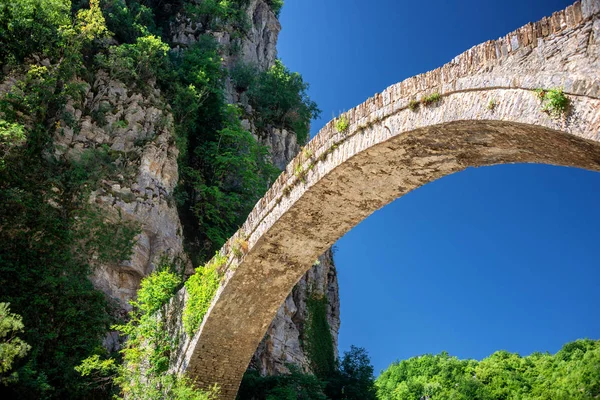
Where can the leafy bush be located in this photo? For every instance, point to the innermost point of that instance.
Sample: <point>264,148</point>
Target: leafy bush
<point>135,63</point>
<point>194,86</point>
<point>342,124</point>
<point>432,98</point>
<point>353,379</point>
<point>201,288</point>
<point>148,350</point>
<point>292,386</point>
<point>128,20</point>
<point>11,346</point>
<point>234,173</point>
<point>280,98</point>
<point>90,22</point>
<point>219,14</point>
<point>11,135</point>
<point>31,26</point>
<point>243,76</point>
<point>276,6</point>
<point>554,101</point>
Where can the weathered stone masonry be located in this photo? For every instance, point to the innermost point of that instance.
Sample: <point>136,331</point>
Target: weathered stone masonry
<point>340,178</point>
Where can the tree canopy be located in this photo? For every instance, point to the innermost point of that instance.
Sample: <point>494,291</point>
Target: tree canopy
<point>572,373</point>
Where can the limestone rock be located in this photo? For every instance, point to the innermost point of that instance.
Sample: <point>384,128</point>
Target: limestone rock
<point>140,133</point>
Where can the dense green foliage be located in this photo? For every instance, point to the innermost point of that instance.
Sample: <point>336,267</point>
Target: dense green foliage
<point>146,356</point>
<point>353,378</point>
<point>221,14</point>
<point>318,342</point>
<point>201,288</point>
<point>232,173</point>
<point>11,135</point>
<point>279,98</point>
<point>48,230</point>
<point>573,373</point>
<point>28,26</point>
<point>292,386</point>
<point>136,63</point>
<point>12,347</point>
<point>223,169</point>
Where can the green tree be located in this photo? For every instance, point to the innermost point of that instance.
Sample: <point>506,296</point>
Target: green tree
<point>135,63</point>
<point>280,98</point>
<point>31,26</point>
<point>573,373</point>
<point>239,175</point>
<point>12,347</point>
<point>293,386</point>
<point>354,378</point>
<point>11,135</point>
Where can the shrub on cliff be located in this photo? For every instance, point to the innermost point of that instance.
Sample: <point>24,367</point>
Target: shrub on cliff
<point>148,351</point>
<point>276,6</point>
<point>280,98</point>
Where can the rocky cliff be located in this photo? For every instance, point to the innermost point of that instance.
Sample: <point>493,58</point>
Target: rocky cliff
<point>138,130</point>
<point>139,133</point>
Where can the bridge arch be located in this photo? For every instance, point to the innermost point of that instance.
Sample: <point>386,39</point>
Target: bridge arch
<point>487,114</point>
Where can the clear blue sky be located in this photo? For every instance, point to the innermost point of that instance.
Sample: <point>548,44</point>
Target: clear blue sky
<point>493,258</point>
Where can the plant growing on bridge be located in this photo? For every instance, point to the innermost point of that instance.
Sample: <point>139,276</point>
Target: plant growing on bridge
<point>413,105</point>
<point>240,246</point>
<point>432,98</point>
<point>554,101</point>
<point>342,124</point>
<point>201,287</point>
<point>300,172</point>
<point>492,104</point>
<point>306,153</point>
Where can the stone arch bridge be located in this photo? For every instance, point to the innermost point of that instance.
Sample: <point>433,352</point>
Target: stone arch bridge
<point>487,114</point>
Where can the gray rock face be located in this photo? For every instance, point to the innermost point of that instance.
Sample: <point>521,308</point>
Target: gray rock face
<point>282,343</point>
<point>260,45</point>
<point>136,128</point>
